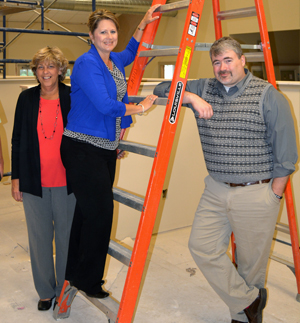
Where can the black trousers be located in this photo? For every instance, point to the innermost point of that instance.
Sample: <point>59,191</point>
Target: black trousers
<point>91,172</point>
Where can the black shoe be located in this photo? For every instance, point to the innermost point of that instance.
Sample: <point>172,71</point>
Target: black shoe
<point>44,305</point>
<point>254,311</point>
<point>235,321</point>
<point>101,294</point>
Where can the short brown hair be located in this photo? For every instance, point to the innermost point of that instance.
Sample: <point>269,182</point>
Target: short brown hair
<point>98,15</point>
<point>223,44</point>
<point>50,55</point>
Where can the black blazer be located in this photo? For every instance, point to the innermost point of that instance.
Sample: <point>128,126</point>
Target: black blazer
<point>25,154</point>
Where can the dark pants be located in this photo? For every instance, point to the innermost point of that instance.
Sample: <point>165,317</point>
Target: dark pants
<point>91,173</point>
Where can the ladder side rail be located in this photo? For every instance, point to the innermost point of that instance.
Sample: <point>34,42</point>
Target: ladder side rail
<point>217,22</point>
<point>265,42</point>
<point>293,233</point>
<point>288,191</point>
<point>160,165</point>
<point>139,64</point>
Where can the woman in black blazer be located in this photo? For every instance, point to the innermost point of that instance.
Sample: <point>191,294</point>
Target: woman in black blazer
<point>38,175</point>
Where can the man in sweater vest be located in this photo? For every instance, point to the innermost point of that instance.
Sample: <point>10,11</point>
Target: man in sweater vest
<point>248,141</point>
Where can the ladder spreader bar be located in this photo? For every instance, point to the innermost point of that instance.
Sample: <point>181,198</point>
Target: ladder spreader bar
<point>128,199</point>
<point>237,13</point>
<point>107,305</point>
<point>136,148</point>
<point>173,6</point>
<point>119,252</point>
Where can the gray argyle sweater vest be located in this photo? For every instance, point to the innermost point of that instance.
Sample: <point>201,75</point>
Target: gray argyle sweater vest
<point>234,139</point>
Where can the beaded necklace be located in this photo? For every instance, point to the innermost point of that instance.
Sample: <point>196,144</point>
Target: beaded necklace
<point>55,122</point>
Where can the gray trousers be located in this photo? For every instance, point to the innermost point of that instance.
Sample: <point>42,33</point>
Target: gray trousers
<point>53,213</point>
<point>249,212</point>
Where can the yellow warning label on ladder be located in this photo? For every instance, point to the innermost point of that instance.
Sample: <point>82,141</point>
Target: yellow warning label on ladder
<point>185,62</point>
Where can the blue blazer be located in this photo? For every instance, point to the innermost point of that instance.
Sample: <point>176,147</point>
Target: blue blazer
<point>94,105</point>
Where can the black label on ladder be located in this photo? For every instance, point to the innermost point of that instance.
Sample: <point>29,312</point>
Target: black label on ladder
<point>193,24</point>
<point>176,100</point>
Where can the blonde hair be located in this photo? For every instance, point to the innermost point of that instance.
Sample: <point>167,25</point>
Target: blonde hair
<point>98,15</point>
<point>50,55</point>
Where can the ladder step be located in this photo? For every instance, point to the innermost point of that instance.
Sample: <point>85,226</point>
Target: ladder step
<point>237,13</point>
<point>140,149</point>
<point>128,199</point>
<point>201,46</point>
<point>173,51</point>
<point>108,306</point>
<point>255,57</point>
<point>139,98</point>
<point>173,6</point>
<point>159,52</point>
<point>119,252</point>
<point>251,57</point>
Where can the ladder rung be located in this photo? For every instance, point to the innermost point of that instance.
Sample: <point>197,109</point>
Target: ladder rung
<point>159,52</point>
<point>128,199</point>
<point>255,57</point>
<point>119,252</point>
<point>282,259</point>
<point>138,99</point>
<point>237,13</point>
<point>136,148</point>
<point>282,228</point>
<point>173,6</point>
<point>108,306</point>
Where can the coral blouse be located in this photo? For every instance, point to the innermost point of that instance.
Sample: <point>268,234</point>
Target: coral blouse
<point>50,129</point>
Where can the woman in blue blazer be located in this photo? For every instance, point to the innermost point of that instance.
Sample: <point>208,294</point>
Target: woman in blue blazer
<point>99,111</point>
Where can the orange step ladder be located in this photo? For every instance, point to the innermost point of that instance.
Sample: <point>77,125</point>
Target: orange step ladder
<point>258,11</point>
<point>123,312</point>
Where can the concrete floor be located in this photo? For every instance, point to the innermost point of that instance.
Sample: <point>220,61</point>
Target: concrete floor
<point>174,290</point>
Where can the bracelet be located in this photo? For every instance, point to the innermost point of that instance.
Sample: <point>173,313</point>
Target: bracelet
<point>141,113</point>
<point>140,29</point>
<point>279,197</point>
